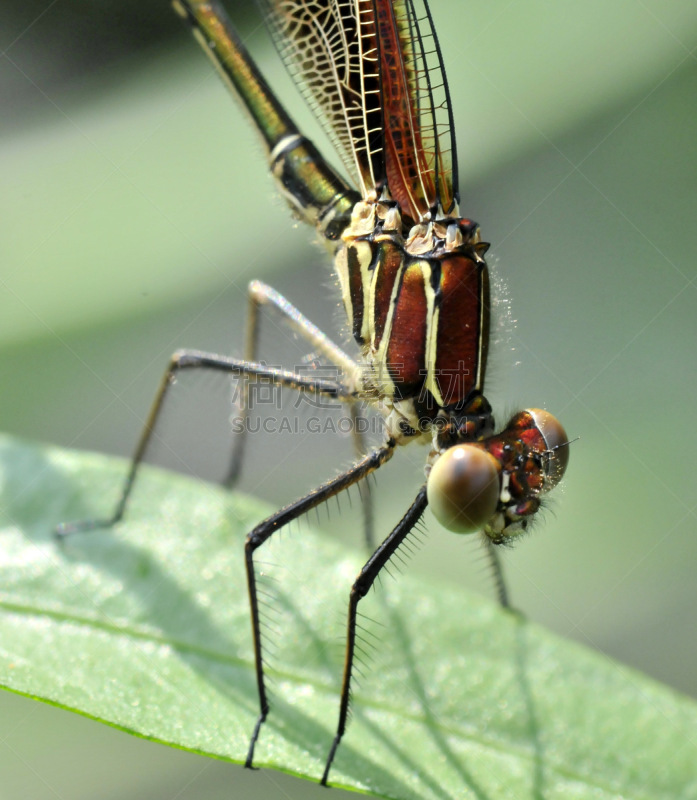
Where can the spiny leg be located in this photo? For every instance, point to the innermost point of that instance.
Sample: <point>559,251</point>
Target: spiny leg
<point>365,491</point>
<point>360,588</point>
<point>195,359</point>
<point>497,572</point>
<point>275,522</point>
<point>261,295</point>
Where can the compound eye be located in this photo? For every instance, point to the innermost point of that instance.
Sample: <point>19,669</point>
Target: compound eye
<point>463,488</point>
<point>557,444</point>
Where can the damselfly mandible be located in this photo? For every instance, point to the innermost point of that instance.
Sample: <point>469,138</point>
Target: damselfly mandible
<point>412,274</point>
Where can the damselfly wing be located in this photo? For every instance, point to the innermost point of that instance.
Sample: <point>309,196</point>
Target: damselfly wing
<point>412,274</point>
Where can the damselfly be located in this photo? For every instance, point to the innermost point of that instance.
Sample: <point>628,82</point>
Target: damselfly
<point>412,274</point>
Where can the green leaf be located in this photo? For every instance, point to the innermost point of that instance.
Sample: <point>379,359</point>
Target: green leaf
<point>146,627</point>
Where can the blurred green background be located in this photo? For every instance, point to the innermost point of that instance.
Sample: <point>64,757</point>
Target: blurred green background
<point>136,207</point>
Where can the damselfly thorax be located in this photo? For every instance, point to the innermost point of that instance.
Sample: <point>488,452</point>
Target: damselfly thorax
<point>417,303</point>
<point>413,281</point>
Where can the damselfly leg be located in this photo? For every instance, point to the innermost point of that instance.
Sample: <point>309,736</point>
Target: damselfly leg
<point>360,588</point>
<point>194,360</point>
<point>266,529</point>
<point>261,296</point>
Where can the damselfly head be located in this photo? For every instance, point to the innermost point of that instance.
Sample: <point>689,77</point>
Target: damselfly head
<point>495,485</point>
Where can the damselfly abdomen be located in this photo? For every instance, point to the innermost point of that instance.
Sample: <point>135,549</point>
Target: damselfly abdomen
<point>412,274</point>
